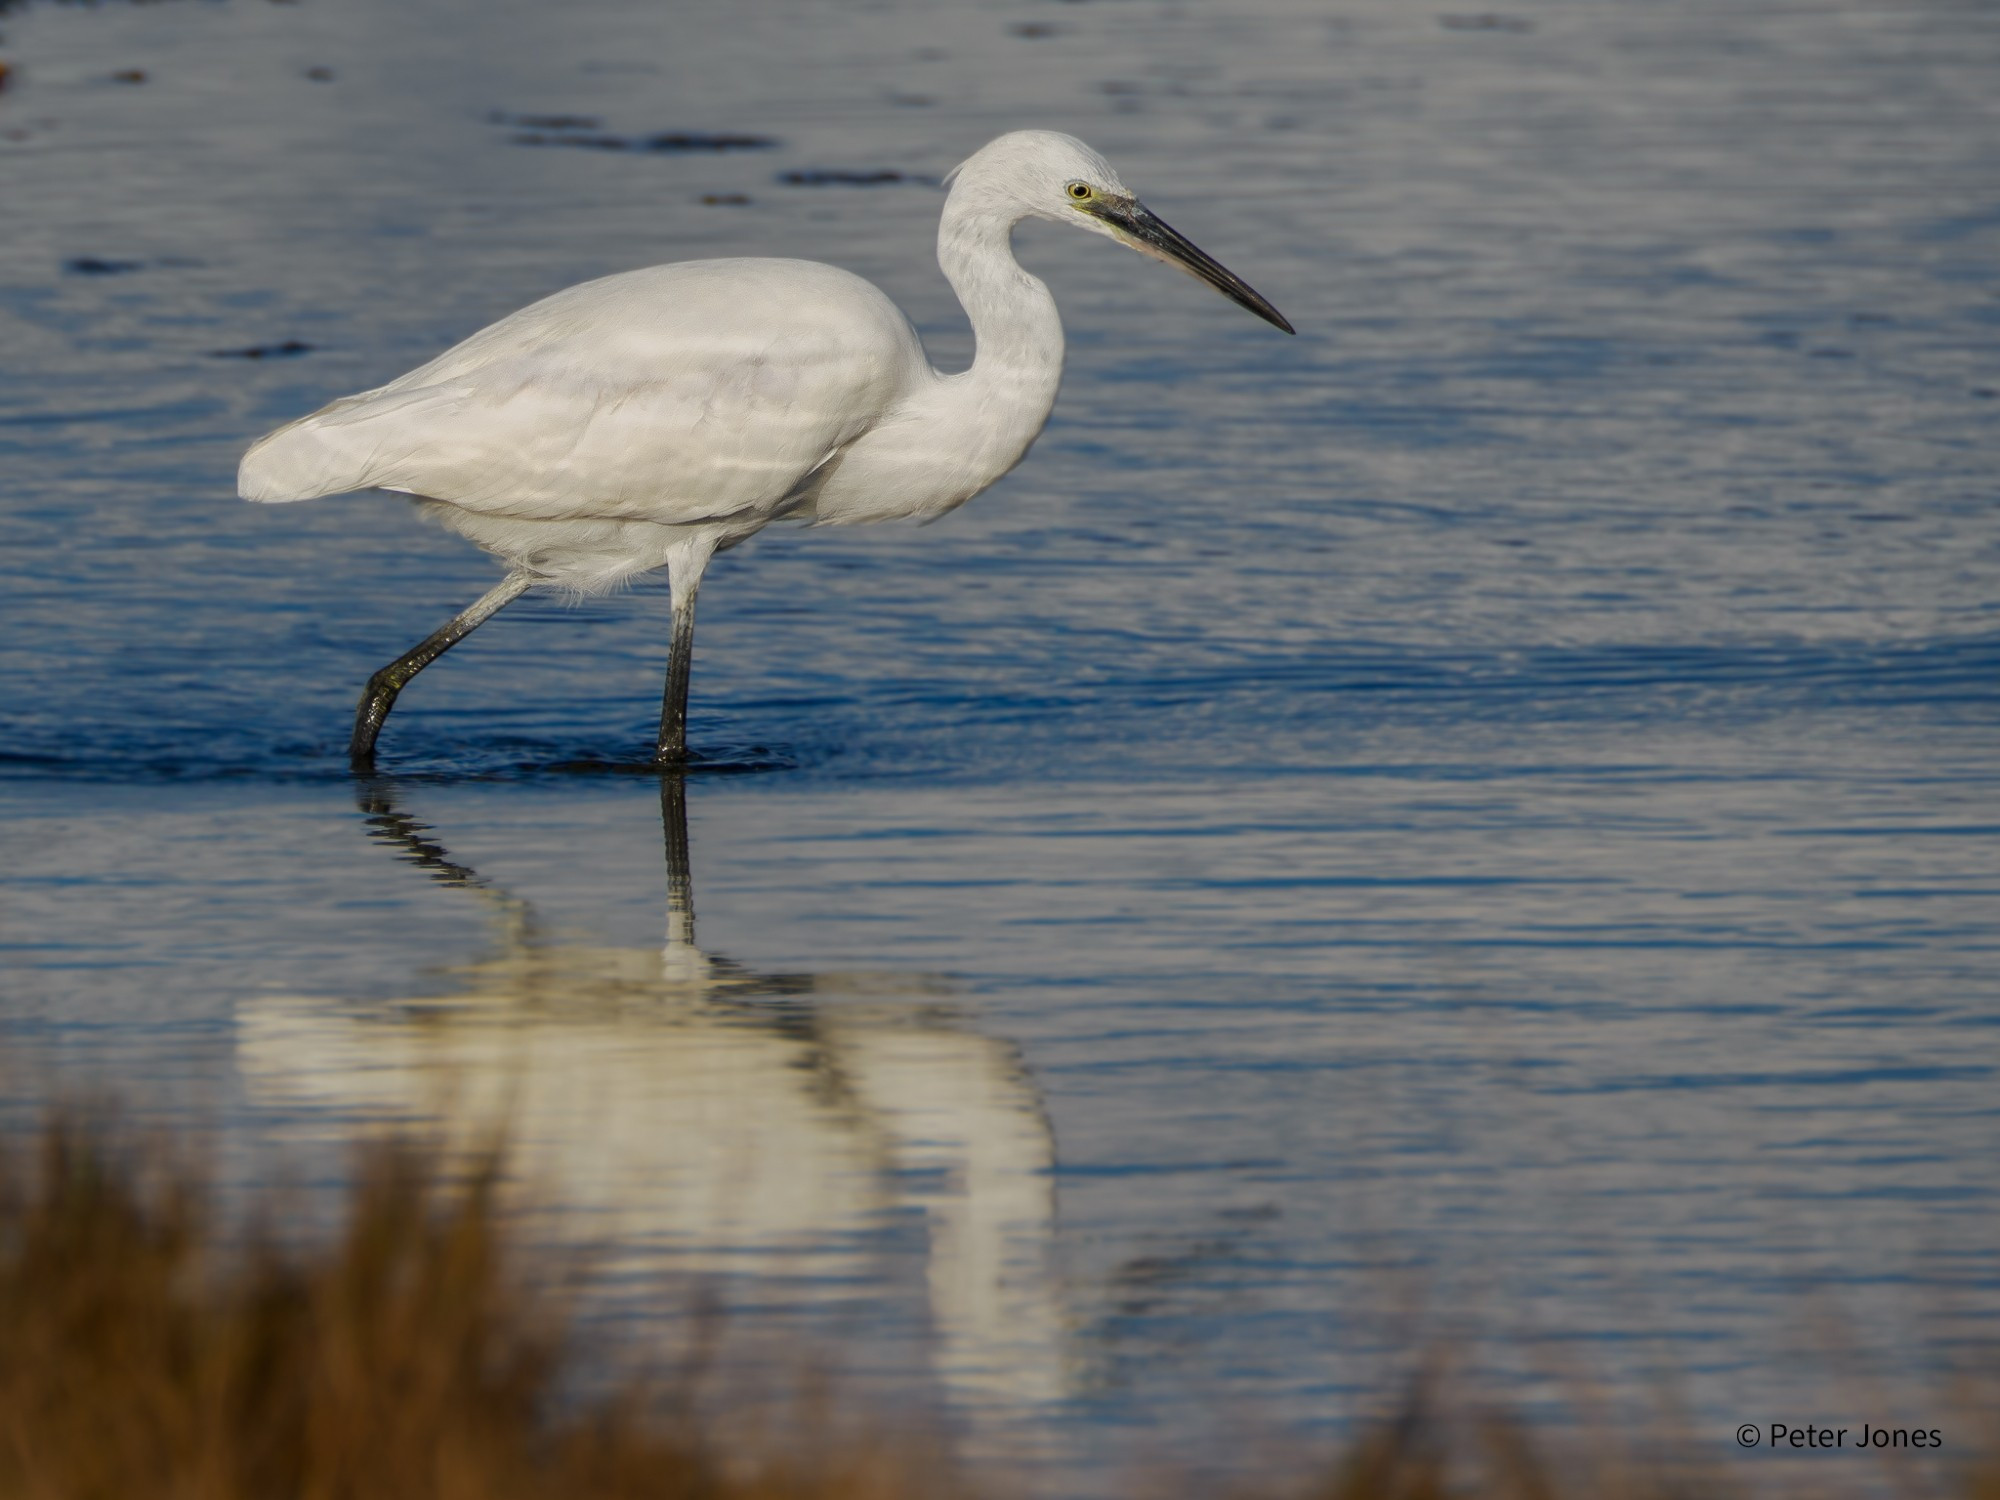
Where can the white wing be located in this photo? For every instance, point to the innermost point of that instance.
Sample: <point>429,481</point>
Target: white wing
<point>676,394</point>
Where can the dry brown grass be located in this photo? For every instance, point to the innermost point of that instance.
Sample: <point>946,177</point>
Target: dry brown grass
<point>409,1359</point>
<point>146,1353</point>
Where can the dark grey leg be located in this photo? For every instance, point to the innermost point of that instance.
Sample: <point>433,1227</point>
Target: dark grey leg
<point>672,749</point>
<point>380,694</point>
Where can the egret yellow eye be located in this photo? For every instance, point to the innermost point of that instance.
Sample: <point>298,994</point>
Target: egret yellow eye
<point>1081,191</point>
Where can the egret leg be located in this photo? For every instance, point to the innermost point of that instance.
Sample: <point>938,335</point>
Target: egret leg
<point>380,694</point>
<point>673,749</point>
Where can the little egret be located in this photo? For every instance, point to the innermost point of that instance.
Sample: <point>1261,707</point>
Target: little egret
<point>653,418</point>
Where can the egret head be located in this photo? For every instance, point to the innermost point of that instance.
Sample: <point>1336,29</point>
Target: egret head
<point>1049,175</point>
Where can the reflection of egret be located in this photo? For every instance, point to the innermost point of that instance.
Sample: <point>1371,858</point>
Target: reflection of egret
<point>683,1110</point>
<point>652,419</point>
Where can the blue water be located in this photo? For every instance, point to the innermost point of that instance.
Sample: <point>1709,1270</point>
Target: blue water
<point>1481,817</point>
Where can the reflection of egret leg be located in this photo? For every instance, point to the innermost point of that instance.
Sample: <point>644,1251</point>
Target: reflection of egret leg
<point>680,875</point>
<point>389,824</point>
<point>416,843</point>
<point>380,694</point>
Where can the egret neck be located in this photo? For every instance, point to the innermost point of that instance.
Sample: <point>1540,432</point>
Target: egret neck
<point>951,436</point>
<point>1007,393</point>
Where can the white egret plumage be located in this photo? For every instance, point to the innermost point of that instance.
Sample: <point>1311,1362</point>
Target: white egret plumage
<point>651,419</point>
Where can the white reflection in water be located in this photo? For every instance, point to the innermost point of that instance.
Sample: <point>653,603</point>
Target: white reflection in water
<point>678,1108</point>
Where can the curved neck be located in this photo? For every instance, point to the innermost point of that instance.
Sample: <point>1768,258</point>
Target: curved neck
<point>1017,336</point>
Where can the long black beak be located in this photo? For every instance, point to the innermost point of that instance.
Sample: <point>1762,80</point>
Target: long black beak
<point>1151,235</point>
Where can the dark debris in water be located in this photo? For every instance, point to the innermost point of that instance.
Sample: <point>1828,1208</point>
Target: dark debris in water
<point>7,6</point>
<point>852,177</point>
<point>586,132</point>
<point>129,75</point>
<point>730,199</point>
<point>674,142</point>
<point>1487,21</point>
<point>547,122</point>
<point>582,142</point>
<point>93,265</point>
<point>285,350</point>
<point>695,140</point>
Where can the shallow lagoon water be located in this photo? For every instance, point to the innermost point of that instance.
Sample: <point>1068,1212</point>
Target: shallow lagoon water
<point>1490,803</point>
